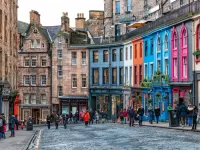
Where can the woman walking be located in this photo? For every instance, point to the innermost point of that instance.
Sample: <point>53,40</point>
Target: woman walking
<point>86,117</point>
<point>194,118</point>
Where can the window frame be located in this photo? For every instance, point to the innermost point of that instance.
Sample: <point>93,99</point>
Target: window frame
<point>28,77</point>
<point>114,55</point>
<point>43,59</point>
<point>60,71</point>
<point>131,52</point>
<point>105,55</point>
<point>74,81</point>
<point>107,77</point>
<point>158,45</point>
<point>26,60</point>
<point>114,83</point>
<point>38,43</point>
<point>74,58</point>
<point>32,43</point>
<point>60,91</point>
<point>121,54</point>
<point>95,56</point>
<point>59,53</point>
<point>43,79</point>
<point>83,56</point>
<point>117,7</point>
<point>121,75</point>
<point>83,81</point>
<point>166,43</point>
<point>33,58</point>
<point>146,49</point>
<point>93,76</point>
<point>32,80</point>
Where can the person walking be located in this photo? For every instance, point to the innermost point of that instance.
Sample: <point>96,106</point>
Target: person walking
<point>157,113</point>
<point>194,118</point>
<point>121,116</point>
<point>48,121</point>
<point>57,120</point>
<point>183,113</point>
<point>150,114</point>
<point>140,112</point>
<point>86,118</point>
<point>81,116</point>
<point>16,122</point>
<point>189,114</point>
<point>12,126</point>
<point>97,117</point>
<point>4,128</point>
<point>91,116</point>
<point>125,115</point>
<point>131,114</point>
<point>2,122</point>
<point>65,120</point>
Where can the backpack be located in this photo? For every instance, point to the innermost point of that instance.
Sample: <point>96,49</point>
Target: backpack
<point>1,122</point>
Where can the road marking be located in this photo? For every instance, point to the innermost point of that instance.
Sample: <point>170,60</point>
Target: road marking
<point>38,140</point>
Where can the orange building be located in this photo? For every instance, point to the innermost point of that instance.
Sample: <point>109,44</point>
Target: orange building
<point>136,90</point>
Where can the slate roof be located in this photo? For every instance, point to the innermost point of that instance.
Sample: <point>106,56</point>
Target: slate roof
<point>53,30</point>
<point>22,27</point>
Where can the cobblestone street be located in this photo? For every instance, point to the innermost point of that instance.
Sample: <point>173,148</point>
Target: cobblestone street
<point>117,137</point>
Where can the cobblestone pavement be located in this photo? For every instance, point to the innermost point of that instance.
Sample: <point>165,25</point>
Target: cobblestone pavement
<point>117,137</point>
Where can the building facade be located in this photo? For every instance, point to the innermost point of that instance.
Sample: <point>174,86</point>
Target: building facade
<point>34,72</point>
<point>8,54</point>
<point>106,78</point>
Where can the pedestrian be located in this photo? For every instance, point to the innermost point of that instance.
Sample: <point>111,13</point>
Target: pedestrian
<point>65,120</point>
<point>48,121</point>
<point>91,116</point>
<point>194,118</point>
<point>183,112</point>
<point>12,126</point>
<point>76,116</point>
<point>131,114</point>
<point>150,114</point>
<point>81,116</point>
<point>2,122</point>
<point>86,117</point>
<point>70,116</point>
<point>102,116</point>
<point>157,113</point>
<point>97,117</point>
<point>22,125</point>
<point>121,116</point>
<point>189,114</point>
<point>4,128</point>
<point>16,122</point>
<point>125,115</point>
<point>57,120</point>
<point>140,113</point>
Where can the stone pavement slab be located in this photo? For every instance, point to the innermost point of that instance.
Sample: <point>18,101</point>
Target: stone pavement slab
<point>18,142</point>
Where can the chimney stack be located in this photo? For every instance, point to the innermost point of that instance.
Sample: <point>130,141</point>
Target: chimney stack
<point>65,22</point>
<point>80,21</point>
<point>34,17</point>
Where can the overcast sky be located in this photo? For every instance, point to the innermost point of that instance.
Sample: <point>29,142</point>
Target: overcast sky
<point>51,10</point>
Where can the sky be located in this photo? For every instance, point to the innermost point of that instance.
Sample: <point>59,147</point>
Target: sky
<point>51,10</point>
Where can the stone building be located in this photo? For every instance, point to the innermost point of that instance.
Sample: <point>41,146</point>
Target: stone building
<point>69,68</point>
<point>34,70</point>
<point>8,51</point>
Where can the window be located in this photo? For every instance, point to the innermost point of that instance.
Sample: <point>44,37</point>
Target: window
<point>60,91</point>
<point>59,53</point>
<point>117,7</point>
<point>43,61</point>
<point>38,43</point>
<point>184,38</point>
<point>128,5</point>
<point>83,58</point>
<point>95,56</point>
<point>184,67</point>
<point>175,40</point>
<point>33,98</point>
<point>43,80</point>
<point>152,70</point>
<point>74,81</point>
<point>114,55</point>
<point>175,67</point>
<point>60,72</point>
<point>105,75</point>
<point>121,54</point>
<point>121,71</point>
<point>152,46</point>
<point>135,74</point>
<point>130,72</point>
<point>130,52</point>
<point>33,61</point>
<point>26,61</point>
<point>166,66</point>
<point>126,75</point>
<point>105,56</point>
<point>95,76</point>
<point>146,50</point>
<point>158,45</point>
<point>32,44</point>
<point>166,42</point>
<point>26,80</point>
<point>146,71</point>
<point>26,98</point>
<point>158,65</point>
<point>114,76</point>
<point>140,71</point>
<point>199,37</point>
<point>33,79</point>
<point>140,49</point>
<point>43,98</point>
<point>135,50</point>
<point>126,53</point>
<point>117,30</point>
<point>74,58</point>
<point>83,80</point>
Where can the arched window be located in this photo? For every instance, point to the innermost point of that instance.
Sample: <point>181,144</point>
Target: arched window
<point>158,45</point>
<point>184,37</point>
<point>166,42</point>
<point>175,40</point>
<point>199,36</point>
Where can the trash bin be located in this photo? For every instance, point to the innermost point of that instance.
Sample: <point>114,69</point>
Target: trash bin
<point>29,125</point>
<point>173,118</point>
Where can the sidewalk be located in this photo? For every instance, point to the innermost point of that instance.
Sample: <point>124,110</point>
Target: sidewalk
<point>19,142</point>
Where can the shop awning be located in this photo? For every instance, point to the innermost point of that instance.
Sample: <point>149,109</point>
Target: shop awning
<point>138,24</point>
<point>181,83</point>
<point>73,97</point>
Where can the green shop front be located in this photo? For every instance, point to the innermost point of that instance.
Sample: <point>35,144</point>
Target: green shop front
<point>107,100</point>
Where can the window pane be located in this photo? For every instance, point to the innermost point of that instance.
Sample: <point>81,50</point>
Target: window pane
<point>105,76</point>
<point>121,54</point>
<point>114,55</point>
<point>43,80</point>
<point>95,56</point>
<point>121,75</point>
<point>26,80</point>
<point>130,52</point>
<point>32,44</point>
<point>26,61</point>
<point>33,61</point>
<point>83,58</point>
<point>166,66</point>
<point>95,76</point>
<point>105,55</point>
<point>166,42</point>
<point>60,93</point>
<point>60,72</point>
<point>74,80</point>
<point>38,43</point>
<point>158,45</point>
<point>59,53</point>
<point>83,80</point>
<point>175,67</point>
<point>114,76</point>
<point>43,61</point>
<point>74,58</point>
<point>33,80</point>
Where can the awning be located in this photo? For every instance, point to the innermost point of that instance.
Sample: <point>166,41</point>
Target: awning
<point>181,84</point>
<point>138,24</point>
<point>73,98</point>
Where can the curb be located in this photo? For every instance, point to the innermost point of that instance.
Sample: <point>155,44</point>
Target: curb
<point>30,141</point>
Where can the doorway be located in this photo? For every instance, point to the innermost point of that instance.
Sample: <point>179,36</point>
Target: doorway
<point>36,116</point>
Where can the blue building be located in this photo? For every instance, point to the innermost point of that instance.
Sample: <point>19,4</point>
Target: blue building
<point>106,75</point>
<point>156,91</point>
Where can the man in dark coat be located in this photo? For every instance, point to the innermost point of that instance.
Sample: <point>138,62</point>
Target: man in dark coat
<point>91,116</point>
<point>48,121</point>
<point>65,120</point>
<point>157,113</point>
<point>140,112</point>
<point>183,113</point>
<point>131,115</point>
<point>12,126</point>
<point>57,120</point>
